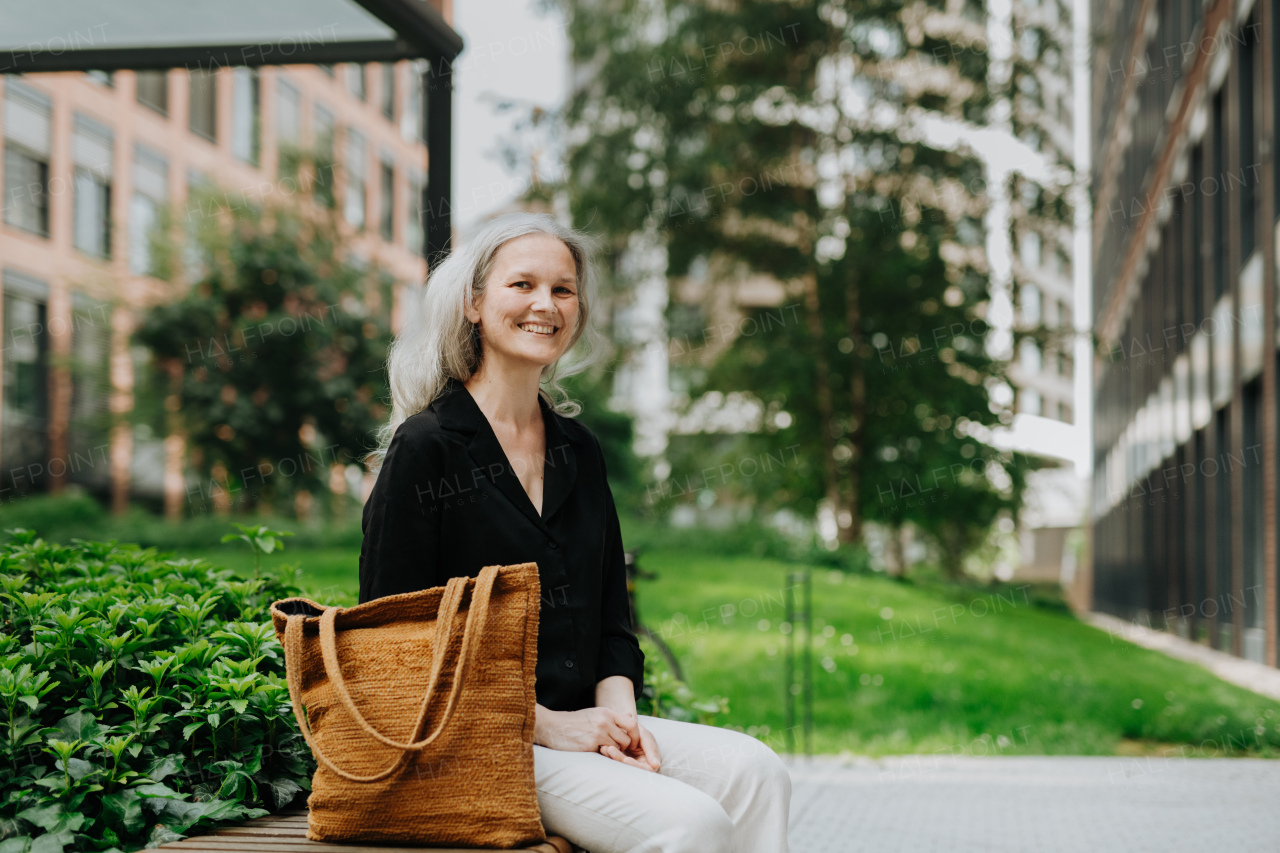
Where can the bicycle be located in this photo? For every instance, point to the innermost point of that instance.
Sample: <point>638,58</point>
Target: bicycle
<point>639,628</point>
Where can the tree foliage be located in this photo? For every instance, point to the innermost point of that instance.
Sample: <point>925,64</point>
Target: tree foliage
<point>280,343</point>
<point>792,141</point>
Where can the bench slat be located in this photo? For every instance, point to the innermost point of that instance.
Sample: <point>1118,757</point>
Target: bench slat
<point>287,833</point>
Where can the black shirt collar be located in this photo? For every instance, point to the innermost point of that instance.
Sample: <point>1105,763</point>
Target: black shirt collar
<point>456,409</point>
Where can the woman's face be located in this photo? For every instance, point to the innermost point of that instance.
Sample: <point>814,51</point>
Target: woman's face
<point>529,307</point>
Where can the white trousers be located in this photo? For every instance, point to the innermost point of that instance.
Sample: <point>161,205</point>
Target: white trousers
<point>717,791</point>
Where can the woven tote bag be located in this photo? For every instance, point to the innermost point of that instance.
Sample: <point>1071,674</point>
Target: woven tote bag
<point>420,739</point>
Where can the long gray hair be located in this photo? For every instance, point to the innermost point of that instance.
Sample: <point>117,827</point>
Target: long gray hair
<point>437,342</point>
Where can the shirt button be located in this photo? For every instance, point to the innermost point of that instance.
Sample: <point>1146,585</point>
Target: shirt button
<point>569,664</point>
<point>552,543</point>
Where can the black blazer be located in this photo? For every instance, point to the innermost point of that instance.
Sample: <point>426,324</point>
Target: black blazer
<point>448,503</point>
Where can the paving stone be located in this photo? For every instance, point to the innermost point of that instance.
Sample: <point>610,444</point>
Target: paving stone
<point>1033,804</point>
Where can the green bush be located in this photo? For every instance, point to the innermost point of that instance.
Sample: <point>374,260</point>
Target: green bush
<point>60,518</point>
<point>141,698</point>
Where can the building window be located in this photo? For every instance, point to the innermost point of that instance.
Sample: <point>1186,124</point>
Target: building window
<point>1064,412</point>
<point>1030,402</point>
<point>245,115</point>
<point>387,199</point>
<point>325,155</point>
<point>90,421</point>
<point>389,90</point>
<point>92,149</point>
<point>102,78</point>
<point>1031,304</point>
<point>354,200</point>
<point>1247,57</point>
<point>150,191</point>
<point>203,104</point>
<point>1029,249</point>
<point>153,90</point>
<point>326,67</point>
<point>412,128</point>
<point>355,76</point>
<point>194,264</point>
<point>27,122</point>
<point>24,428</point>
<point>1219,198</point>
<point>288,129</point>
<point>413,217</point>
<point>1030,357</point>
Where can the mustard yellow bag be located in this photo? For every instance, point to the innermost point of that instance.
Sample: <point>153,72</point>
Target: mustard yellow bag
<point>420,740</point>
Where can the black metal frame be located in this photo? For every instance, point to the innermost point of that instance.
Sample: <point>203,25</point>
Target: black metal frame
<point>421,33</point>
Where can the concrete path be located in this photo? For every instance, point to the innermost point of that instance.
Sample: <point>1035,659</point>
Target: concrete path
<point>1250,675</point>
<point>1033,804</point>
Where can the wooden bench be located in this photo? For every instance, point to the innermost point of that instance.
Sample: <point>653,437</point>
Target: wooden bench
<point>287,833</point>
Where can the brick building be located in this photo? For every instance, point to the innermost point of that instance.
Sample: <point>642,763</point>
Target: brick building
<point>90,160</point>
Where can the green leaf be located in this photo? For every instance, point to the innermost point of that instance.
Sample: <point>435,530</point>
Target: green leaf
<point>124,809</point>
<point>46,817</point>
<point>240,705</point>
<point>283,790</point>
<point>159,790</point>
<point>53,842</point>
<point>166,765</point>
<point>161,834</point>
<point>20,844</point>
<point>181,816</point>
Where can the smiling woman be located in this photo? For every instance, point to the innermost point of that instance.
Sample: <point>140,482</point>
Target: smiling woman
<point>479,467</point>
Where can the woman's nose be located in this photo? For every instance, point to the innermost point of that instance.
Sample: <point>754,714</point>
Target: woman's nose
<point>542,300</point>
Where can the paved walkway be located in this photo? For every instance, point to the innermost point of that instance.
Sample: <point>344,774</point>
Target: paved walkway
<point>1248,674</point>
<point>1033,804</point>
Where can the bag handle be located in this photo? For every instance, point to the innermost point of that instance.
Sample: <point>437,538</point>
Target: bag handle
<point>450,604</point>
<point>479,612</point>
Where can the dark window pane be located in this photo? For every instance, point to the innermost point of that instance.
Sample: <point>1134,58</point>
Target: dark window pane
<point>356,80</point>
<point>153,90</point>
<point>92,214</point>
<point>1249,165</point>
<point>1220,197</point>
<point>24,425</point>
<point>323,133</point>
<point>387,202</point>
<point>26,191</point>
<point>203,104</point>
<point>245,115</point>
<point>389,90</point>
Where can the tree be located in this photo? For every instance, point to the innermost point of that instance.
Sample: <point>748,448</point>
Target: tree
<point>794,140</point>
<point>278,349</point>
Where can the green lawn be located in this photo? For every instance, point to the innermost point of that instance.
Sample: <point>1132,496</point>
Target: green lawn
<point>900,668</point>
<point>328,575</point>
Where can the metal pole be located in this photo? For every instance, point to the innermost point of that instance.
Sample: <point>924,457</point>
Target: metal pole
<point>803,686</point>
<point>788,697</point>
<point>437,113</point>
<point>808,665</point>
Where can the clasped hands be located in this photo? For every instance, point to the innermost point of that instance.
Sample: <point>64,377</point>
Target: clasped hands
<point>614,734</point>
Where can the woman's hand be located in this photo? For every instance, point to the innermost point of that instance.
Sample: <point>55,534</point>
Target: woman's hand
<point>578,731</point>
<point>614,734</point>
<point>642,753</point>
